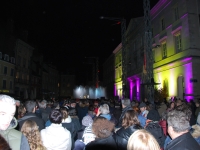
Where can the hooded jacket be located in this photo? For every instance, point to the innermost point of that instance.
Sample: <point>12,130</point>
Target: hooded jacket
<point>55,137</point>
<point>15,139</point>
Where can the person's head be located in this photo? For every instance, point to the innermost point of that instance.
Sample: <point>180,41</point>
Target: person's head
<point>130,118</point>
<point>17,103</point>
<point>56,116</point>
<point>142,140</point>
<point>178,102</point>
<point>31,132</point>
<point>102,127</point>
<point>64,112</point>
<point>30,106</point>
<point>73,103</point>
<point>87,120</point>
<point>145,100</point>
<point>186,109</point>
<point>178,123</point>
<point>43,104</point>
<point>4,144</point>
<point>96,104</point>
<point>172,105</point>
<point>7,111</point>
<point>21,111</point>
<point>104,109</point>
<point>197,103</point>
<point>125,102</point>
<point>142,107</point>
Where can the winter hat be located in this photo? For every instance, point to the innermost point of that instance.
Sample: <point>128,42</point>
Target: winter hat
<point>87,120</point>
<point>142,105</point>
<point>153,115</point>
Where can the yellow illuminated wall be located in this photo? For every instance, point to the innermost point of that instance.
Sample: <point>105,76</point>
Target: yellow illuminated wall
<point>171,73</point>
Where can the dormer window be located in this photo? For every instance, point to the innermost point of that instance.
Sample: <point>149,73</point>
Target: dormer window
<point>6,57</point>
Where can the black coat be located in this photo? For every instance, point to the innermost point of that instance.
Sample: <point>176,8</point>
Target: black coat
<point>122,136</point>
<point>32,116</point>
<point>183,142</point>
<point>102,144</point>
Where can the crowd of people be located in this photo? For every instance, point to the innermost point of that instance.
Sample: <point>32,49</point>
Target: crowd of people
<point>99,125</point>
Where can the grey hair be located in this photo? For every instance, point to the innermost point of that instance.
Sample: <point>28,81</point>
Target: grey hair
<point>126,102</point>
<point>43,104</point>
<point>104,109</point>
<point>7,99</point>
<point>178,120</point>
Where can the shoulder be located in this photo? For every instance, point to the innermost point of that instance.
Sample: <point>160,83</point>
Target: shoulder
<point>14,132</point>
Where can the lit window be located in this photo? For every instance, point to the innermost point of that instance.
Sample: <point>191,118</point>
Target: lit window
<point>178,44</point>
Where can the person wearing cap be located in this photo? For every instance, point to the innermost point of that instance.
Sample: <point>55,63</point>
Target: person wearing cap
<point>143,109</point>
<point>126,105</point>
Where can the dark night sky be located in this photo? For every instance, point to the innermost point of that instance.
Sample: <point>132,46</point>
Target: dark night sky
<point>66,31</point>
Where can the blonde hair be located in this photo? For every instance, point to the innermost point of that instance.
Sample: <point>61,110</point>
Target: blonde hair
<point>142,140</point>
<point>31,132</point>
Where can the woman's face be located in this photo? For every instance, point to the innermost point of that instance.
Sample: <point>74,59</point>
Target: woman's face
<point>172,105</point>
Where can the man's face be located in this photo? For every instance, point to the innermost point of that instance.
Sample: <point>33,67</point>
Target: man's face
<point>7,111</point>
<point>142,109</point>
<point>73,105</point>
<point>17,104</point>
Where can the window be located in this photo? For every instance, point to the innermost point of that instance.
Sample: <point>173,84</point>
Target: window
<point>4,84</point>
<point>12,59</point>
<point>5,70</point>
<point>164,50</point>
<point>178,45</point>
<point>176,14</point>
<point>11,72</point>
<point>162,24</point>
<point>6,57</point>
<point>11,85</point>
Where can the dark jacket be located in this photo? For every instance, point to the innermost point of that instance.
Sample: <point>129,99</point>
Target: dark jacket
<point>45,113</point>
<point>32,116</point>
<point>102,144</point>
<point>183,142</point>
<point>156,130</point>
<point>122,136</point>
<point>124,110</point>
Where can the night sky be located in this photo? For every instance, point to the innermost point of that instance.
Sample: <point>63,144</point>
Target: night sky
<point>67,31</point>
